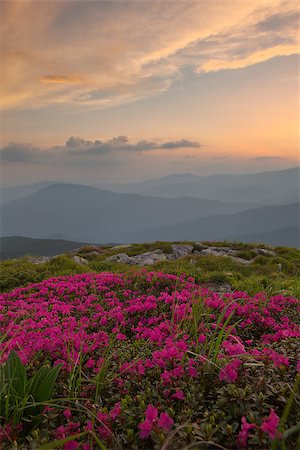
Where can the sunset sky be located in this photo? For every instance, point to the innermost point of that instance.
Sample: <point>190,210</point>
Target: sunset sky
<point>147,88</point>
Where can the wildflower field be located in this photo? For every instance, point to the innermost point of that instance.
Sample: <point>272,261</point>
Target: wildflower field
<point>147,360</point>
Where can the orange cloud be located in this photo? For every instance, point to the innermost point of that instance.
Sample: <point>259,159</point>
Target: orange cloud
<point>108,53</point>
<point>64,79</point>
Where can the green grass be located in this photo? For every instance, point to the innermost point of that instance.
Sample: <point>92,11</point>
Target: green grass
<point>262,275</point>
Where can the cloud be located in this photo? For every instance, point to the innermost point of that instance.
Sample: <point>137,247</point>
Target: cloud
<point>121,144</point>
<point>183,143</point>
<point>19,153</point>
<point>279,22</point>
<point>76,146</point>
<point>266,158</point>
<point>64,79</point>
<point>110,53</point>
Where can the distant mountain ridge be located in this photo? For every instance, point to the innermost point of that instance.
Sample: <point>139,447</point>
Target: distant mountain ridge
<point>250,224</point>
<point>93,215</point>
<point>262,188</point>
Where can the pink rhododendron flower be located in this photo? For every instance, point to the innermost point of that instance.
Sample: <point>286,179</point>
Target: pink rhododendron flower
<point>243,434</point>
<point>201,338</point>
<point>229,372</point>
<point>165,421</point>
<point>115,412</point>
<point>67,413</point>
<point>71,445</point>
<point>145,428</point>
<point>151,413</point>
<point>270,425</point>
<point>179,395</point>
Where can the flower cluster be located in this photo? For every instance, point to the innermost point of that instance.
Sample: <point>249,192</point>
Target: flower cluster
<point>150,351</point>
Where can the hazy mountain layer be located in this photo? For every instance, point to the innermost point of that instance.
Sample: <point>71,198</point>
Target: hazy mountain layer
<point>94,215</point>
<point>249,224</point>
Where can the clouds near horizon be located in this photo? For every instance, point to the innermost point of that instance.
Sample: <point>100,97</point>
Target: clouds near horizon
<point>22,152</point>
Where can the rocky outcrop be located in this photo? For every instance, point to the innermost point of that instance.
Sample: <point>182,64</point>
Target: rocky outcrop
<point>149,258</point>
<point>144,259</point>
<point>183,250</point>
<point>264,252</point>
<point>79,260</point>
<point>39,259</point>
<point>120,257</point>
<point>180,250</point>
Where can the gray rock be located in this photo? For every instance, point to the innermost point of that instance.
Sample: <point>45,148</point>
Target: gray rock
<point>149,258</point>
<point>120,257</point>
<point>39,260</point>
<point>170,256</point>
<point>180,250</point>
<point>196,252</point>
<point>200,246</point>
<point>264,252</point>
<point>212,252</point>
<point>79,260</point>
<point>227,250</point>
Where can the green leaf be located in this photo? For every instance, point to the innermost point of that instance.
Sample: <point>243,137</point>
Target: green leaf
<point>14,374</point>
<point>42,383</point>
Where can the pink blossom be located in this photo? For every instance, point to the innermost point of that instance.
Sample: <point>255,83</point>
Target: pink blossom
<point>151,413</point>
<point>71,445</point>
<point>145,428</point>
<point>270,424</point>
<point>243,434</point>
<point>67,413</point>
<point>165,421</point>
<point>229,372</point>
<point>115,412</point>
<point>179,395</point>
<point>201,338</point>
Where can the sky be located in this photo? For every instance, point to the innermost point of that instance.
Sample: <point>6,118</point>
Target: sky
<point>127,90</point>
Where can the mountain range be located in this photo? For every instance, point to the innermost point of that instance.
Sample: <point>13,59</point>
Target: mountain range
<point>262,207</point>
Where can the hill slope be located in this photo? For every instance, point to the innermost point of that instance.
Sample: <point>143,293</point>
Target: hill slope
<point>17,246</point>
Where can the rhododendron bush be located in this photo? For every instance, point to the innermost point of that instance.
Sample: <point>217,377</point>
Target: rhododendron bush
<point>151,360</point>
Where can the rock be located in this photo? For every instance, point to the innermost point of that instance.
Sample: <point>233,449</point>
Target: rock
<point>264,252</point>
<point>120,257</point>
<point>227,250</point>
<point>218,286</point>
<point>147,262</point>
<point>200,246</point>
<point>196,252</point>
<point>181,250</point>
<point>149,258</point>
<point>213,252</point>
<point>170,256</point>
<point>79,260</point>
<point>231,252</point>
<point>39,260</point>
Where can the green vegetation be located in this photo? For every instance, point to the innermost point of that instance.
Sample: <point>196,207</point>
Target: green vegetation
<point>272,274</point>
